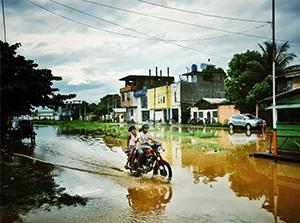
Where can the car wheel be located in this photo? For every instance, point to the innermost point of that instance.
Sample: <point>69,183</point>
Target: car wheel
<point>231,127</point>
<point>248,127</point>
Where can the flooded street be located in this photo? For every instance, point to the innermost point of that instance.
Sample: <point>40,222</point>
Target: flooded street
<point>222,184</point>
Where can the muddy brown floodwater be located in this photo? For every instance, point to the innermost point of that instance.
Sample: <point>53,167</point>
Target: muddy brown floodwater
<point>221,184</point>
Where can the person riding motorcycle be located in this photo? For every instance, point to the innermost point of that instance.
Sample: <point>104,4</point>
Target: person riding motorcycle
<point>143,139</point>
<point>131,144</point>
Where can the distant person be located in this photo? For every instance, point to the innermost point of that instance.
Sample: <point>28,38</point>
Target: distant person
<point>131,144</point>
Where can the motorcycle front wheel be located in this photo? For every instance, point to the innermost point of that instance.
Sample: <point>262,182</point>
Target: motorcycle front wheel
<point>164,169</point>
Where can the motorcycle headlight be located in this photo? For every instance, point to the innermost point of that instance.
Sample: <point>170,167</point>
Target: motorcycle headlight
<point>160,149</point>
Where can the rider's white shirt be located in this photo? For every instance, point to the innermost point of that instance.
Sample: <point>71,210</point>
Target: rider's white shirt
<point>143,138</point>
<point>132,140</point>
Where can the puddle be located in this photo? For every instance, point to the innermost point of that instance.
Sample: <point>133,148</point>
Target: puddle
<point>208,185</point>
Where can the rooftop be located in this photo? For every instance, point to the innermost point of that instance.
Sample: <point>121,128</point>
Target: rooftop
<point>293,92</point>
<point>212,101</point>
<point>143,77</point>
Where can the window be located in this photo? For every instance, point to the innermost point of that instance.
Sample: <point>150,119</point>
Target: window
<point>175,96</point>
<point>123,96</point>
<point>289,85</point>
<point>250,116</point>
<point>195,115</point>
<point>200,114</point>
<point>215,114</point>
<point>144,101</point>
<point>131,112</point>
<point>163,99</point>
<point>128,97</point>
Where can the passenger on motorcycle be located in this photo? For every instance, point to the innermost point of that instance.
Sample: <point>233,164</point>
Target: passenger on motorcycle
<point>143,139</point>
<point>131,144</point>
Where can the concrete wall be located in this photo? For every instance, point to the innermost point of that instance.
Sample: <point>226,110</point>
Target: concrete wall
<point>225,111</point>
<point>162,97</point>
<point>205,85</point>
<point>128,99</point>
<point>204,112</point>
<point>295,82</point>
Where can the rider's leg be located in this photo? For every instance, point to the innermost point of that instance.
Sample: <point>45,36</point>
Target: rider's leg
<point>140,153</point>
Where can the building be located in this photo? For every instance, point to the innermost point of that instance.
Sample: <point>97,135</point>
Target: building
<point>288,125</point>
<point>134,94</point>
<point>119,115</point>
<point>193,86</point>
<point>176,102</point>
<point>289,80</point>
<point>159,103</point>
<point>46,113</point>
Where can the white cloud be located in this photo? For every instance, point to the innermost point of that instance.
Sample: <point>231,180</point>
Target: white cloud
<point>84,56</point>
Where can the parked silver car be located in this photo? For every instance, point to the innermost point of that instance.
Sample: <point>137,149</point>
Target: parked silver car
<point>247,121</point>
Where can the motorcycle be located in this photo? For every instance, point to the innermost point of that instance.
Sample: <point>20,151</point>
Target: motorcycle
<point>152,162</point>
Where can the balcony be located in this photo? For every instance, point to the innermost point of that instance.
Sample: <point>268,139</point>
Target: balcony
<point>128,88</point>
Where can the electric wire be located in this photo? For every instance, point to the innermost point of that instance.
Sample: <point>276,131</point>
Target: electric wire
<point>180,22</point>
<point>203,14</point>
<point>84,24</point>
<point>151,37</point>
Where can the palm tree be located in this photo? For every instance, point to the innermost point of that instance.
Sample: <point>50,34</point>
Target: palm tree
<point>263,70</point>
<point>282,57</point>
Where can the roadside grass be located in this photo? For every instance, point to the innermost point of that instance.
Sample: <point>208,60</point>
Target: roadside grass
<point>203,145</point>
<point>110,129</point>
<point>116,130</point>
<point>199,134</point>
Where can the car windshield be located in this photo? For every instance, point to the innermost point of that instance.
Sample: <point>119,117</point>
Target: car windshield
<point>250,116</point>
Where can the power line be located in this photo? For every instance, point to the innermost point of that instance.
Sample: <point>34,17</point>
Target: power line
<point>177,21</point>
<point>203,14</point>
<point>131,29</point>
<point>84,24</point>
<point>219,37</point>
<point>242,33</point>
<point>117,33</point>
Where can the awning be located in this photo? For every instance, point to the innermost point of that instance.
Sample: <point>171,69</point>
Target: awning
<point>287,106</point>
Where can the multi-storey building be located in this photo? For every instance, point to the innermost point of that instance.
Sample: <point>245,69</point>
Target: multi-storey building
<point>159,103</point>
<point>134,94</point>
<point>192,87</point>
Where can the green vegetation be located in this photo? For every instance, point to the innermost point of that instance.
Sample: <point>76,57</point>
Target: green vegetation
<point>95,127</point>
<point>113,129</point>
<point>24,85</point>
<point>198,134</point>
<point>210,126</point>
<point>250,75</point>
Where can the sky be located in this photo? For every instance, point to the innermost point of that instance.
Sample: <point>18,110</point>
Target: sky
<point>91,61</point>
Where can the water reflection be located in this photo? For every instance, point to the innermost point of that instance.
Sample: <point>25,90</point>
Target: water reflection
<point>149,198</point>
<point>204,180</point>
<point>255,179</point>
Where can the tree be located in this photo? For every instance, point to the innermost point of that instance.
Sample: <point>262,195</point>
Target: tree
<point>250,74</point>
<point>25,86</point>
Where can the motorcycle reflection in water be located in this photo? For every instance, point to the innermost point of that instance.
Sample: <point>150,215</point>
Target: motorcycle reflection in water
<point>143,199</point>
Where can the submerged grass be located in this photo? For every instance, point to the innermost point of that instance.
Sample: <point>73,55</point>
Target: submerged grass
<point>117,130</point>
<point>199,134</point>
<point>110,129</point>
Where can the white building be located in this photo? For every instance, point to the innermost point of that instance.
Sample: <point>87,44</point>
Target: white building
<point>176,102</point>
<point>206,109</point>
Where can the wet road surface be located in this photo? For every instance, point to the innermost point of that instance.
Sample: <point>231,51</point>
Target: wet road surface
<point>218,185</point>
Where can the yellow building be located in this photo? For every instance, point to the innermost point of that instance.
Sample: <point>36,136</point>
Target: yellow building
<point>159,103</point>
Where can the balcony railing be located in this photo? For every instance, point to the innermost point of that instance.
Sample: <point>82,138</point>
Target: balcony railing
<point>128,88</point>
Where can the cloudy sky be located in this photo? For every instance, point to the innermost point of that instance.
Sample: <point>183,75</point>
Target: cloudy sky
<point>91,60</point>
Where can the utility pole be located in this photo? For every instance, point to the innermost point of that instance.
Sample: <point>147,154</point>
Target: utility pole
<point>156,73</point>
<point>274,83</point>
<point>3,19</point>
